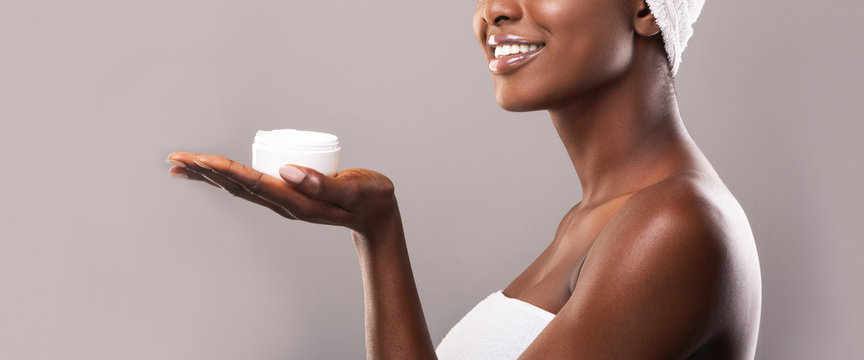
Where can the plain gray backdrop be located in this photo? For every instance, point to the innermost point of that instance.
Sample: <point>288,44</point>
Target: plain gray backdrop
<point>104,256</point>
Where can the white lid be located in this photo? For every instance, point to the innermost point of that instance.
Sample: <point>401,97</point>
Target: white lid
<point>293,139</point>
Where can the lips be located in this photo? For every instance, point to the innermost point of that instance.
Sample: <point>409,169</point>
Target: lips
<point>511,52</point>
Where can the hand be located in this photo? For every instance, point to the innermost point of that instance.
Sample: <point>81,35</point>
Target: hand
<point>359,199</point>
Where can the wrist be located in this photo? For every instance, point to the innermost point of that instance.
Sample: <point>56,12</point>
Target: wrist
<point>383,231</point>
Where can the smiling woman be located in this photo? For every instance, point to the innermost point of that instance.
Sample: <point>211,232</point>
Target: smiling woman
<point>657,260</point>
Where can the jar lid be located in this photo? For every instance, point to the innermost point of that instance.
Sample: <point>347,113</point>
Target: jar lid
<point>293,139</point>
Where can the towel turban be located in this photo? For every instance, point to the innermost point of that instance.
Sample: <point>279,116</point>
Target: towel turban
<point>675,19</point>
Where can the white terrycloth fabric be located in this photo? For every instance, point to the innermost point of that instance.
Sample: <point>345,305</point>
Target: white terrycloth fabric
<point>498,328</point>
<point>675,19</point>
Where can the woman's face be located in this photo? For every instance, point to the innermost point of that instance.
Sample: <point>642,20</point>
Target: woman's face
<point>581,44</point>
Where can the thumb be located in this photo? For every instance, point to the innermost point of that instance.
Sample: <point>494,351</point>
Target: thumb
<point>314,184</point>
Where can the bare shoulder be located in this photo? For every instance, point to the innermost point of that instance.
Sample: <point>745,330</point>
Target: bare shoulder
<point>688,205</point>
<point>680,256</point>
<point>690,220</point>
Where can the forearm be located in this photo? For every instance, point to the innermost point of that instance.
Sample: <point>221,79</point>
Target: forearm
<point>395,326</point>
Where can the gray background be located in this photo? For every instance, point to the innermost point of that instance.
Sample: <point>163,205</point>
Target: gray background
<point>103,256</point>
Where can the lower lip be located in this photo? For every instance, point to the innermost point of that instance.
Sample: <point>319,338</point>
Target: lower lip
<point>510,62</point>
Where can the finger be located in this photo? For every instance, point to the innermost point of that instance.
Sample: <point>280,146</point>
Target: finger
<point>255,181</point>
<point>185,167</point>
<point>312,183</point>
<point>272,189</point>
<point>237,190</point>
<point>182,172</point>
<point>181,158</point>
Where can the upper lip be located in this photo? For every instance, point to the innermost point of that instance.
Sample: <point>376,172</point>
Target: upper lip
<point>498,39</point>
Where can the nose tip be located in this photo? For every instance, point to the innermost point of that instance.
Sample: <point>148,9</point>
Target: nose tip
<point>500,11</point>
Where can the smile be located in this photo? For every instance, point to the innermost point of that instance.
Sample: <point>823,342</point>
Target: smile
<point>504,50</point>
<point>511,51</point>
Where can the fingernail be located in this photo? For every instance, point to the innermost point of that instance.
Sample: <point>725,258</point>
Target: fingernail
<point>178,175</point>
<point>292,174</point>
<point>176,163</point>
<point>201,163</point>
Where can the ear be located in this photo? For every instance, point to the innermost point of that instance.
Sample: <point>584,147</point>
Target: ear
<point>643,20</point>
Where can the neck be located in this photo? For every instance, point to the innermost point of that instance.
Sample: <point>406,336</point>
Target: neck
<point>626,135</point>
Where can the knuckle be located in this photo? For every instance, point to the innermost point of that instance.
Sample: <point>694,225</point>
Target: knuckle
<point>385,186</point>
<point>257,185</point>
<point>380,187</point>
<point>232,166</point>
<point>313,186</point>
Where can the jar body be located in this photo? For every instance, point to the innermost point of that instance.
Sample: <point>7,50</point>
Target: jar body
<point>271,150</point>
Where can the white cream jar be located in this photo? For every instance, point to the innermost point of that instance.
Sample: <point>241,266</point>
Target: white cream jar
<point>273,149</point>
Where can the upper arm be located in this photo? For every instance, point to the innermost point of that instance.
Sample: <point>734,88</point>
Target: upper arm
<point>649,287</point>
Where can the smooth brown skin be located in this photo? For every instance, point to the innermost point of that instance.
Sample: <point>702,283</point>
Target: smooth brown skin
<point>656,262</point>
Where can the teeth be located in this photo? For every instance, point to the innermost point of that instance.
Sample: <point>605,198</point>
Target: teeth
<point>504,50</point>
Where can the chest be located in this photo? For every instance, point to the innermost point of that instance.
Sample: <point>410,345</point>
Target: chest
<point>550,279</point>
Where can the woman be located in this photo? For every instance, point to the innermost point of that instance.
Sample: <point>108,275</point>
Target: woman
<point>657,261</point>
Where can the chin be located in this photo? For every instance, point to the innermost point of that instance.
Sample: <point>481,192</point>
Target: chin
<point>518,107</point>
<point>515,103</point>
<point>518,102</point>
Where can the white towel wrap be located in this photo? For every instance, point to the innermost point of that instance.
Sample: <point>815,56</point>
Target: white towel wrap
<point>498,328</point>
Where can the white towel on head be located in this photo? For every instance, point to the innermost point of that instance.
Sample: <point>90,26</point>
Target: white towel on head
<point>675,18</point>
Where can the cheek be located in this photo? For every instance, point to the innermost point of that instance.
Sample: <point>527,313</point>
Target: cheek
<point>592,53</point>
<point>589,35</point>
<point>589,43</point>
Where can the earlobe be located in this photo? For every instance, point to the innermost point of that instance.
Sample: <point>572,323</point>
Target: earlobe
<point>654,29</point>
<point>644,22</point>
